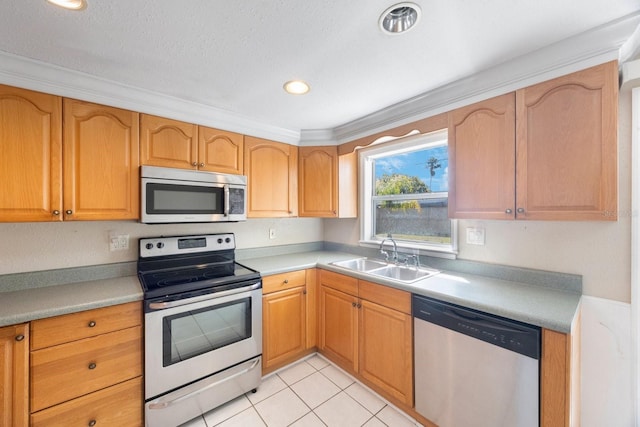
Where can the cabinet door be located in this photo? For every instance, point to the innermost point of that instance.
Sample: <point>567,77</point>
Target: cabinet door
<point>220,151</point>
<point>386,350</point>
<point>14,376</point>
<point>567,147</point>
<point>482,160</point>
<point>30,155</point>
<point>284,326</point>
<point>318,182</point>
<point>101,159</point>
<point>272,173</point>
<point>168,143</point>
<point>339,327</point>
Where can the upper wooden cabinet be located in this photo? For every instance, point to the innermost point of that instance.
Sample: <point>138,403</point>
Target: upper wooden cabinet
<point>549,152</point>
<point>168,143</point>
<point>176,144</point>
<point>567,148</point>
<point>482,159</point>
<point>101,158</point>
<point>14,376</point>
<point>30,155</point>
<point>220,151</point>
<point>272,177</point>
<point>327,183</point>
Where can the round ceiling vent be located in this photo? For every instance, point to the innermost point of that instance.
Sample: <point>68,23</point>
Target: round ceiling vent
<point>399,18</point>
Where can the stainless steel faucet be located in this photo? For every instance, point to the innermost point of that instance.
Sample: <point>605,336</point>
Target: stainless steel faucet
<point>395,248</point>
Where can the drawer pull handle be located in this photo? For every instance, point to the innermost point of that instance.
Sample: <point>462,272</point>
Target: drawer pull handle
<point>286,281</point>
<point>92,365</point>
<point>92,324</point>
<point>92,423</point>
<point>19,337</point>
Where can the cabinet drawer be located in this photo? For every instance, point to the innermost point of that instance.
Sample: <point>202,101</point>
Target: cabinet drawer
<point>386,296</point>
<point>72,327</point>
<point>119,405</point>
<point>71,370</point>
<point>340,282</point>
<point>280,282</point>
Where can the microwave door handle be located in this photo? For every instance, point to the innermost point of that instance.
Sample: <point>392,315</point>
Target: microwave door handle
<point>226,200</point>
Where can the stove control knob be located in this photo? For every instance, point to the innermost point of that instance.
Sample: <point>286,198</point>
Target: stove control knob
<point>149,246</point>
<point>220,241</point>
<point>228,239</point>
<point>160,245</point>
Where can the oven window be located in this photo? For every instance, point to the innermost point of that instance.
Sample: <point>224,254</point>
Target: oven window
<point>196,332</point>
<point>188,199</point>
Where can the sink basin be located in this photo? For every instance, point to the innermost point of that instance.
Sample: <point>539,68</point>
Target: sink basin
<point>386,270</point>
<point>360,264</point>
<point>404,274</point>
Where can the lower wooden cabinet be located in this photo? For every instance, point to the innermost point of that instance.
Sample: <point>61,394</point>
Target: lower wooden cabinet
<point>119,405</point>
<point>86,368</point>
<point>288,317</point>
<point>14,376</point>
<point>367,330</point>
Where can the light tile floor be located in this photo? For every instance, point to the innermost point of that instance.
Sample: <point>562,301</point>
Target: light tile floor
<point>309,393</point>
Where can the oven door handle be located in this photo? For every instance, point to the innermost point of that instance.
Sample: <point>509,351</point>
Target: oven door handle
<point>178,303</point>
<point>159,404</point>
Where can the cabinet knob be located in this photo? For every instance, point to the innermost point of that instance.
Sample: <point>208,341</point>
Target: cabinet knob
<point>304,292</point>
<point>508,211</point>
<point>194,164</point>
<point>56,212</point>
<point>92,423</point>
<point>19,337</point>
<point>91,324</point>
<point>353,304</point>
<point>359,305</point>
<point>286,281</point>
<point>520,210</point>
<point>68,211</point>
<point>92,366</point>
<point>201,165</point>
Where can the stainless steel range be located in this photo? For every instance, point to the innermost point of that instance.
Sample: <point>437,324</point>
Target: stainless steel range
<point>203,326</point>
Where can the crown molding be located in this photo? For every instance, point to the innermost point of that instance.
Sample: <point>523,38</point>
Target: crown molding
<point>619,39</point>
<point>44,77</point>
<point>593,47</point>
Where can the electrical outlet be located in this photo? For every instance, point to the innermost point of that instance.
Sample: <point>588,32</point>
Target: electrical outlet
<point>475,236</point>
<point>272,233</point>
<point>118,242</point>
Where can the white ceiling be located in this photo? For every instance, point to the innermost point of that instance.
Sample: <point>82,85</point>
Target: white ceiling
<point>233,57</point>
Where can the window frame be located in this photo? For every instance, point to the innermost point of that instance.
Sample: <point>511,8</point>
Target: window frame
<point>386,147</point>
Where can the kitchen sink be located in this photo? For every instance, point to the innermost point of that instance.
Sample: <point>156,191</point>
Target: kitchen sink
<point>387,270</point>
<point>360,264</point>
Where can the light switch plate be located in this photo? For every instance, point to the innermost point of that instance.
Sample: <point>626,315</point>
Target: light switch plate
<point>475,236</point>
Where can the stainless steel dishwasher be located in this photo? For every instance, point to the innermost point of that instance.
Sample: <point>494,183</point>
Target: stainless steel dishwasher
<point>474,369</point>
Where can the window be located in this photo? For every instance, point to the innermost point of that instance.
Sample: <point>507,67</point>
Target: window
<point>405,194</point>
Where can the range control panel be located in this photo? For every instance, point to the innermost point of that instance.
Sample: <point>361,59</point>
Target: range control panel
<point>161,246</point>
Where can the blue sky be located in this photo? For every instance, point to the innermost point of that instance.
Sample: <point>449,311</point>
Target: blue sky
<point>415,164</point>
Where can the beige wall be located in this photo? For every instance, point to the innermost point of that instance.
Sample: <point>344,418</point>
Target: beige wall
<point>44,246</point>
<point>599,251</point>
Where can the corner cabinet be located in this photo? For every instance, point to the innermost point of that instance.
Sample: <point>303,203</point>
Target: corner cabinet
<point>327,183</point>
<point>175,144</point>
<point>101,158</point>
<point>14,376</point>
<point>272,174</point>
<point>31,153</point>
<point>289,317</point>
<point>547,152</point>
<point>367,329</point>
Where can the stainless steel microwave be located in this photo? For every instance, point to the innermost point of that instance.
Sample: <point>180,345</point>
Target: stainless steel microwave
<point>170,195</point>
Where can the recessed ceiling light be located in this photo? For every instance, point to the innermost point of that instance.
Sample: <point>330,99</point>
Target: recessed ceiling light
<point>399,18</point>
<point>70,4</point>
<point>296,87</point>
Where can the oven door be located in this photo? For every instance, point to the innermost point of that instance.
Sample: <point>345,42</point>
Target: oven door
<point>189,339</point>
